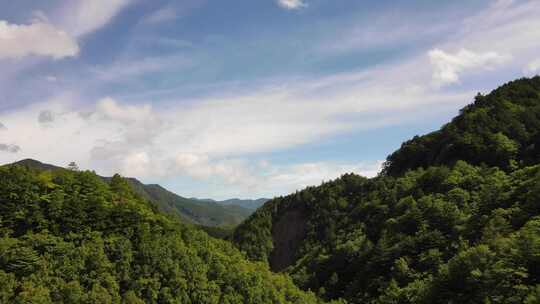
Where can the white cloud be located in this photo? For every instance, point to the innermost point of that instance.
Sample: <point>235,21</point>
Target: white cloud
<point>291,178</point>
<point>210,139</point>
<point>136,164</point>
<point>81,17</point>
<point>533,68</point>
<point>506,27</point>
<point>291,4</point>
<point>448,67</point>
<point>38,38</point>
<point>110,109</point>
<point>221,137</point>
<point>200,166</point>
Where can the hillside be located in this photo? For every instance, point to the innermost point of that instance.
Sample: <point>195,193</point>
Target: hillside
<point>501,129</point>
<point>189,210</point>
<point>251,204</point>
<point>70,237</point>
<point>199,212</point>
<point>454,218</point>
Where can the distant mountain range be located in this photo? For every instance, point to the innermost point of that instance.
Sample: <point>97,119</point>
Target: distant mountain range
<point>205,212</point>
<point>251,204</point>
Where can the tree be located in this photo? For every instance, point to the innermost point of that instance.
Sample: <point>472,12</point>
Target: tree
<point>73,166</point>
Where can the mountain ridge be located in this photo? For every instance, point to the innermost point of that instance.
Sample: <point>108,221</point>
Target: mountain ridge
<point>453,218</point>
<point>193,211</point>
<point>69,236</point>
<point>245,203</point>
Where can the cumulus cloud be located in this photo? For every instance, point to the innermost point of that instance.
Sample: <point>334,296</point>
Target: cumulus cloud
<point>210,139</point>
<point>291,4</point>
<point>81,17</point>
<point>37,38</point>
<point>110,109</point>
<point>129,148</point>
<point>9,148</point>
<point>136,164</point>
<point>200,166</point>
<point>447,67</point>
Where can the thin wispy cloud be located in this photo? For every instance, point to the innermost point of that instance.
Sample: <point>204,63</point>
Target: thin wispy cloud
<point>129,69</point>
<point>162,15</point>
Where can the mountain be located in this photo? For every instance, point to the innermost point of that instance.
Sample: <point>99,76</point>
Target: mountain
<point>192,211</point>
<point>453,218</point>
<point>37,165</point>
<point>72,237</point>
<point>198,212</point>
<point>501,129</point>
<point>251,204</point>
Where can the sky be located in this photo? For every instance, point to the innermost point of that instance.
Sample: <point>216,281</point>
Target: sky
<point>242,98</point>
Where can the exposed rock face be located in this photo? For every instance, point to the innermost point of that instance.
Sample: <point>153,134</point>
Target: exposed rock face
<point>287,233</point>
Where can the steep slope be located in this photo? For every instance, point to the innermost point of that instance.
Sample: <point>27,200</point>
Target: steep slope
<point>70,237</point>
<point>501,129</point>
<point>199,212</point>
<point>433,228</point>
<point>192,211</point>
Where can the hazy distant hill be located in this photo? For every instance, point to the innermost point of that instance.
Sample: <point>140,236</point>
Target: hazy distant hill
<point>200,212</point>
<point>251,204</point>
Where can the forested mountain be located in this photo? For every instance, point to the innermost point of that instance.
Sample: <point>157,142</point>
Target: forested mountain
<point>453,218</point>
<point>251,204</point>
<point>198,212</point>
<point>501,129</point>
<point>70,237</point>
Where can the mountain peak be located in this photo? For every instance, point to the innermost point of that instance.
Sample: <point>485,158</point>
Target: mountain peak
<point>35,164</point>
<point>201,212</point>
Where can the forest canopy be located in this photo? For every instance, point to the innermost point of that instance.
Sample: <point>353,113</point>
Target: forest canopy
<point>453,218</point>
<point>71,237</point>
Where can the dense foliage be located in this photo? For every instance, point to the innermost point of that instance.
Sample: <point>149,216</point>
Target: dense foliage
<point>198,212</point>
<point>433,228</point>
<point>70,237</point>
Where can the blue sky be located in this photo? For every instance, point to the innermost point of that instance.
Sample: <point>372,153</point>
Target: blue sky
<point>246,98</point>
